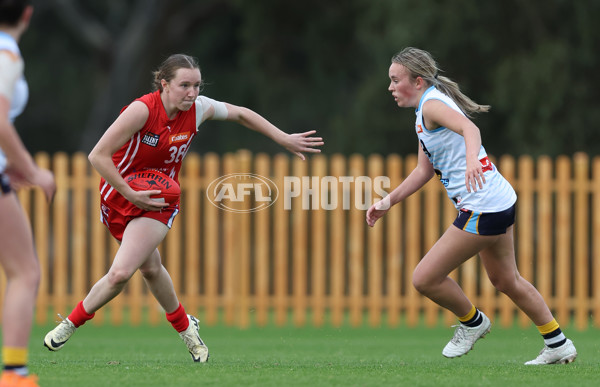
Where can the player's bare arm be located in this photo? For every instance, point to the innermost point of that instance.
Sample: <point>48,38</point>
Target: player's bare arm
<point>125,126</point>
<point>297,143</point>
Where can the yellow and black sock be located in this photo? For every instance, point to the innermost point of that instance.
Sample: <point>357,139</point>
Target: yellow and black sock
<point>553,336</point>
<point>472,319</point>
<point>15,360</point>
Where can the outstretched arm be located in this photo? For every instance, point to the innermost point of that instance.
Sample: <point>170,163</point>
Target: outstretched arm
<point>422,173</point>
<point>297,143</point>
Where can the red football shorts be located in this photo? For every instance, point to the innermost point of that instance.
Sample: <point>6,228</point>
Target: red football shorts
<point>117,218</point>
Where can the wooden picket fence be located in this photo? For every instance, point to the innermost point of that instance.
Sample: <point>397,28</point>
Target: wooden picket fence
<point>321,266</point>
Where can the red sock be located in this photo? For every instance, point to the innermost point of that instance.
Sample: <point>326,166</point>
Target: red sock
<point>79,316</point>
<point>179,319</point>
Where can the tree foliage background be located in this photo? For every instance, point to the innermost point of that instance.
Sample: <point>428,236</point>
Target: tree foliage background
<point>319,64</point>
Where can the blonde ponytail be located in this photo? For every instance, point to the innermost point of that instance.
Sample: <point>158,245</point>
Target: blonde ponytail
<point>420,63</point>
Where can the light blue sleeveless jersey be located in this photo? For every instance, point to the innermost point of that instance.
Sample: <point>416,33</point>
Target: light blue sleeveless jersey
<point>446,150</point>
<point>21,91</point>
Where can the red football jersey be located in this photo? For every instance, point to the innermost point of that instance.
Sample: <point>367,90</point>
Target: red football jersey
<point>161,144</point>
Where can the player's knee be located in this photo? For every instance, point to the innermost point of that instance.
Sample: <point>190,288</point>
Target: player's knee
<point>422,282</point>
<point>27,273</point>
<point>31,279</point>
<point>118,277</point>
<point>504,283</point>
<point>150,271</point>
<point>34,276</point>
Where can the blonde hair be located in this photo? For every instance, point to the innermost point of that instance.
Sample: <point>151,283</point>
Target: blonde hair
<point>420,63</point>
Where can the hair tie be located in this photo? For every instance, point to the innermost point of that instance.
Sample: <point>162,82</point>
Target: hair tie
<point>436,75</point>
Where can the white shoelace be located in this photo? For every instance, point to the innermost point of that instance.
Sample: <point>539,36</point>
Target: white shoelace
<point>65,331</point>
<point>459,333</point>
<point>62,319</point>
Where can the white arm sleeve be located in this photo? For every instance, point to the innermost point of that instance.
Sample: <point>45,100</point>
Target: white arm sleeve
<point>204,103</point>
<point>11,68</point>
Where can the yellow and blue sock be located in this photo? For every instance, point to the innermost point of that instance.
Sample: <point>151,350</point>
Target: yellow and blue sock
<point>553,336</point>
<point>472,319</point>
<point>15,360</point>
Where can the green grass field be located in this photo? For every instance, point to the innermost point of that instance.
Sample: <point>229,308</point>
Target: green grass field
<point>155,356</point>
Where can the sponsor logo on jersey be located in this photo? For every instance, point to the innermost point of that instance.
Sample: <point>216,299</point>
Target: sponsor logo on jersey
<point>179,137</point>
<point>445,181</point>
<point>150,139</point>
<point>486,164</point>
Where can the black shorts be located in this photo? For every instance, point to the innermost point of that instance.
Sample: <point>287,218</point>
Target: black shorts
<point>485,223</point>
<point>4,184</point>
